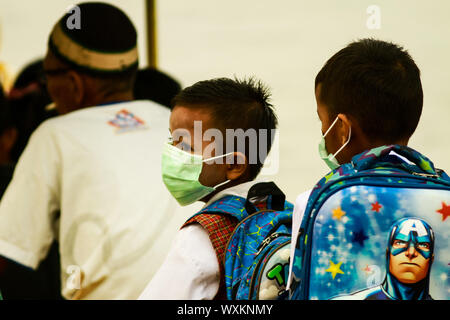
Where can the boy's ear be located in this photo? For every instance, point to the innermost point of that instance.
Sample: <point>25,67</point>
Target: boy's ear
<point>344,127</point>
<point>237,164</point>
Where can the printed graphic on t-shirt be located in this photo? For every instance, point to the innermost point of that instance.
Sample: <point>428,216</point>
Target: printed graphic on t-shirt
<point>126,121</point>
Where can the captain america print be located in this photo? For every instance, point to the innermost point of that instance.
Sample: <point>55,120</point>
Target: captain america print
<point>409,256</point>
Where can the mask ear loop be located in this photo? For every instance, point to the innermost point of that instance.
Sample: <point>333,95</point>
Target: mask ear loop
<point>348,140</point>
<point>221,184</point>
<point>332,125</point>
<point>217,157</point>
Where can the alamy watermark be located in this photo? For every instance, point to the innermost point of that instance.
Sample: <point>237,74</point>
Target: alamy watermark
<point>254,146</point>
<point>374,19</point>
<point>74,20</point>
<point>73,281</point>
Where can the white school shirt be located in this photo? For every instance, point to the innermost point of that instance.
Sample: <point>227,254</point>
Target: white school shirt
<point>299,210</point>
<point>191,270</point>
<point>100,167</point>
<point>297,217</point>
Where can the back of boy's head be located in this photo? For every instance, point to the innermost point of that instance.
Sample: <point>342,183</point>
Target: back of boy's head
<point>378,84</point>
<point>235,104</point>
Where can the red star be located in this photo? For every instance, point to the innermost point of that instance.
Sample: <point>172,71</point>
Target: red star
<point>445,211</point>
<point>376,206</point>
<point>367,269</point>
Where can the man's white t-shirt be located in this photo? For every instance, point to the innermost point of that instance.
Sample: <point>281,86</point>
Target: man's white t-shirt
<point>100,167</point>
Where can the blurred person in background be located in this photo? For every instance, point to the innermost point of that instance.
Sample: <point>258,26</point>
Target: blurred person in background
<point>8,137</point>
<point>30,104</point>
<point>21,112</point>
<point>153,84</point>
<point>92,176</point>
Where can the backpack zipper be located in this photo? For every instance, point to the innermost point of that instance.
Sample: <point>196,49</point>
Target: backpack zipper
<point>269,239</point>
<point>426,175</point>
<point>234,231</point>
<point>252,280</point>
<point>237,226</point>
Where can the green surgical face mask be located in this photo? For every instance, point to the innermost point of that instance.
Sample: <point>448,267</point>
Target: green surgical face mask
<point>180,173</point>
<point>329,158</point>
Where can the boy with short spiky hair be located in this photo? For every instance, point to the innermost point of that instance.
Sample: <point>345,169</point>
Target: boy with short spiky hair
<point>369,101</point>
<point>194,266</point>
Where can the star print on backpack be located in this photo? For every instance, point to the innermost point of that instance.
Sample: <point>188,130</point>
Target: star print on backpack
<point>376,229</point>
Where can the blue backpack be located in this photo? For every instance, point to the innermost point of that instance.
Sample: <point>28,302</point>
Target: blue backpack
<point>376,229</point>
<point>256,260</point>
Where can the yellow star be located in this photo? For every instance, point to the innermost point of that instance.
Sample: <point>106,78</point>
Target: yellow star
<point>338,213</point>
<point>334,269</point>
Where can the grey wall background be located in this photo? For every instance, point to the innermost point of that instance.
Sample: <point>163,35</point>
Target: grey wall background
<point>284,43</point>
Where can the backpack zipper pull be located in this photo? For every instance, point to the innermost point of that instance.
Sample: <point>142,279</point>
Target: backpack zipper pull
<point>266,241</point>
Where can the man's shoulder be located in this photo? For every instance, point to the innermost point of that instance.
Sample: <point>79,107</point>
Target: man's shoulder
<point>143,106</point>
<point>126,114</point>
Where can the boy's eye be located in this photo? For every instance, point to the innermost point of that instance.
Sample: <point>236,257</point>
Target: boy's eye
<point>183,146</point>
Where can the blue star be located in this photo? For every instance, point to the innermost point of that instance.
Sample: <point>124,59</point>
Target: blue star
<point>359,237</point>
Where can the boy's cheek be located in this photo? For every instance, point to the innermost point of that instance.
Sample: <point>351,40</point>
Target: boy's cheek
<point>330,144</point>
<point>211,175</point>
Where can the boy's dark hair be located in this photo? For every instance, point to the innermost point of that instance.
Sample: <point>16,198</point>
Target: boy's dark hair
<point>377,83</point>
<point>234,104</point>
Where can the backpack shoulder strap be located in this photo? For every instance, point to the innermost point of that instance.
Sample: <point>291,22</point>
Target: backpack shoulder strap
<point>219,219</point>
<point>219,228</point>
<point>228,205</point>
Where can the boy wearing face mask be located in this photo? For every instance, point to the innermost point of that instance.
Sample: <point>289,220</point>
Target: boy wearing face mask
<point>203,162</point>
<point>368,95</point>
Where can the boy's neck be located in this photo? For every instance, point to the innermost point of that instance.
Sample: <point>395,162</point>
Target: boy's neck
<point>231,184</point>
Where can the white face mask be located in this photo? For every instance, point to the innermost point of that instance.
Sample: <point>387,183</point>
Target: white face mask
<point>329,158</point>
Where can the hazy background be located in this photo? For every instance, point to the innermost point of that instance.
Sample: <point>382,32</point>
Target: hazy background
<point>284,43</point>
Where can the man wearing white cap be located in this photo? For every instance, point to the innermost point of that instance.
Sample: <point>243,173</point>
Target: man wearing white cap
<point>91,177</point>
